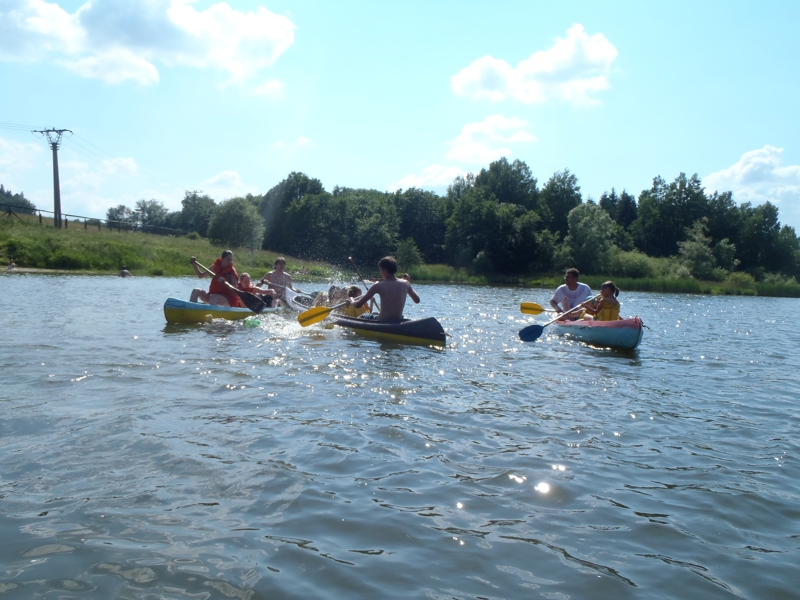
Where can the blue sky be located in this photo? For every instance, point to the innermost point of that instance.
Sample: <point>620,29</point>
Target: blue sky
<point>229,98</point>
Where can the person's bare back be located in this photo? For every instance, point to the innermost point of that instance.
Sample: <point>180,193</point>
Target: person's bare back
<point>392,292</point>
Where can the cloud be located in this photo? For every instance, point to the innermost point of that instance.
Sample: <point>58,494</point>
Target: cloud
<point>760,176</point>
<point>16,158</point>
<point>570,70</point>
<point>272,89</point>
<point>227,184</point>
<point>121,41</point>
<point>300,142</point>
<point>489,139</point>
<point>435,177</point>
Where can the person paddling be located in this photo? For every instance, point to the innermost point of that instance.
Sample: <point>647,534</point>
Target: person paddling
<point>246,285</point>
<point>570,294</point>
<point>607,308</point>
<point>279,277</point>
<point>392,291</point>
<point>221,292</point>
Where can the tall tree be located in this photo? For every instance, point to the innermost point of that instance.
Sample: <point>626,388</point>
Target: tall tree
<point>150,214</point>
<point>277,200</point>
<point>15,202</point>
<point>196,213</point>
<point>511,183</point>
<point>423,218</point>
<point>236,223</point>
<point>590,239</point>
<point>558,197</point>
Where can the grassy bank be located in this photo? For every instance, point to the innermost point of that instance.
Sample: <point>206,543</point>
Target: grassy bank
<point>744,287</point>
<point>87,250</point>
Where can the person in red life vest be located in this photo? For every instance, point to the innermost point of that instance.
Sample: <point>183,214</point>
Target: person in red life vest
<point>246,285</point>
<point>218,292</point>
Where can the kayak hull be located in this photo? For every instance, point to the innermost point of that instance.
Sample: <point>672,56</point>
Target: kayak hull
<point>624,334</point>
<point>181,311</point>
<point>422,331</point>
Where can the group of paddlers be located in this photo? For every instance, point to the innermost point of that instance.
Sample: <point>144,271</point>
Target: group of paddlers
<point>225,283</point>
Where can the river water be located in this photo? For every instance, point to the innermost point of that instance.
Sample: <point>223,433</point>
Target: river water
<point>140,460</point>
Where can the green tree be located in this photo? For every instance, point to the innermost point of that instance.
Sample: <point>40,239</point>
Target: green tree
<point>15,202</point>
<point>196,213</point>
<point>150,214</point>
<point>236,223</point>
<point>510,183</point>
<point>121,216</point>
<point>695,251</point>
<point>423,217</point>
<point>278,199</point>
<point>408,255</point>
<point>591,232</point>
<point>665,213</point>
<point>558,197</point>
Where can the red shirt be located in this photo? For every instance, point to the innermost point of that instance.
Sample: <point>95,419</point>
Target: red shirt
<point>217,287</point>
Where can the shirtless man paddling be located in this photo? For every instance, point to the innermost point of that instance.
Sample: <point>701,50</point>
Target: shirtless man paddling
<point>392,291</point>
<point>279,277</point>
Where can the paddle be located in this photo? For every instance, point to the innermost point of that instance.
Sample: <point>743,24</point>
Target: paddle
<point>364,283</point>
<point>531,308</point>
<point>531,333</point>
<point>316,314</point>
<point>251,301</point>
<point>268,282</point>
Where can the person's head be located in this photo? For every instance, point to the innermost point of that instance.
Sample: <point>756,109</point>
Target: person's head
<point>332,291</point>
<point>353,291</point>
<point>244,279</point>
<point>572,274</point>
<point>227,258</point>
<point>388,264</point>
<point>280,263</point>
<point>609,289</point>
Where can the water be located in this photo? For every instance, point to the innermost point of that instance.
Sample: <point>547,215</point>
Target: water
<point>141,460</point>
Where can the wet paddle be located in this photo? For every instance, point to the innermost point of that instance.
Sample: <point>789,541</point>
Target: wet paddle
<point>251,301</point>
<point>531,333</point>
<point>531,308</point>
<point>268,282</point>
<point>364,283</point>
<point>316,314</point>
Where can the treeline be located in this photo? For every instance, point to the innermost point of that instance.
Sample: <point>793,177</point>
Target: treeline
<point>499,222</point>
<point>15,202</point>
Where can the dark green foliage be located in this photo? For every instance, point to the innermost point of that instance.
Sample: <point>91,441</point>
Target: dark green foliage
<point>423,218</point>
<point>196,213</point>
<point>559,196</point>
<point>236,223</point>
<point>276,202</point>
<point>17,203</point>
<point>510,183</point>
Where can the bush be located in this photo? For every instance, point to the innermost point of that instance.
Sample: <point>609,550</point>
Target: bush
<point>632,264</point>
<point>193,235</point>
<point>741,280</point>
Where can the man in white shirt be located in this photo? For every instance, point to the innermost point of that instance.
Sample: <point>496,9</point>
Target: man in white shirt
<point>571,294</point>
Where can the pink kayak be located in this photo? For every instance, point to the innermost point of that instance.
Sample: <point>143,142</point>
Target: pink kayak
<point>623,333</point>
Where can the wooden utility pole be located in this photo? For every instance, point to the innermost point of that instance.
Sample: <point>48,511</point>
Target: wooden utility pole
<point>54,139</point>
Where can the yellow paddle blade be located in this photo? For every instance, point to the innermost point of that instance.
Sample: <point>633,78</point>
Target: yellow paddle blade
<point>316,314</point>
<point>531,308</point>
<point>313,315</point>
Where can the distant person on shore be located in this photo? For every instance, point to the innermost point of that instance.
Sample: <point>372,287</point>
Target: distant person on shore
<point>218,293</point>
<point>11,265</point>
<point>279,277</point>
<point>246,285</point>
<point>607,308</point>
<point>123,272</point>
<point>570,294</point>
<point>392,291</point>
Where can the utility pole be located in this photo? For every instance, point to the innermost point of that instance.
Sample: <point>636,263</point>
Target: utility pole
<point>54,139</point>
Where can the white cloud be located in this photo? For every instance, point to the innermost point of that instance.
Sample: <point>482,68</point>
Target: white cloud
<point>570,70</point>
<point>489,139</point>
<point>15,159</point>
<point>115,42</point>
<point>227,184</point>
<point>435,177</point>
<point>300,142</point>
<point>760,176</point>
<point>272,89</point>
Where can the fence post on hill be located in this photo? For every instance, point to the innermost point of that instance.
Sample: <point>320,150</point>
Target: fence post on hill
<point>40,218</point>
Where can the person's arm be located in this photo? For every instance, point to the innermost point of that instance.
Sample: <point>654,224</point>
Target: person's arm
<point>197,270</point>
<point>363,299</point>
<point>593,310</point>
<point>412,293</point>
<point>554,302</point>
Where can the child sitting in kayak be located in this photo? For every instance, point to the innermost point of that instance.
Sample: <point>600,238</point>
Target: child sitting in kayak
<point>246,285</point>
<point>607,308</point>
<point>350,310</point>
